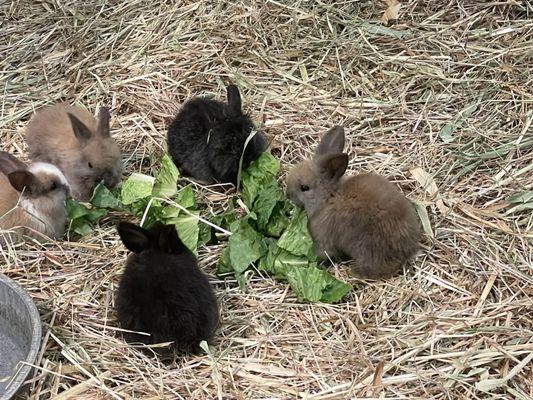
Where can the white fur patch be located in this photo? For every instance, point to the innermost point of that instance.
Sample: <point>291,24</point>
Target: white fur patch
<point>46,168</point>
<point>28,206</point>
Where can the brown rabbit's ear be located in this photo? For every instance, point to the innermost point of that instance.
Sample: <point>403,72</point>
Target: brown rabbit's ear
<point>332,141</point>
<point>135,238</point>
<point>234,99</point>
<point>333,166</point>
<point>10,163</point>
<point>103,121</point>
<point>23,180</point>
<point>80,129</point>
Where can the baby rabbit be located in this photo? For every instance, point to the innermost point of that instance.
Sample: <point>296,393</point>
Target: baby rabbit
<point>207,137</point>
<point>32,198</point>
<point>363,217</point>
<point>162,291</point>
<point>80,146</point>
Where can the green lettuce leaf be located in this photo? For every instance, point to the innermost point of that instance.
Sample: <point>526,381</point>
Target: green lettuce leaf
<point>104,198</point>
<point>136,187</point>
<point>188,230</point>
<point>296,239</point>
<point>81,218</point>
<point>316,284</point>
<point>254,177</point>
<point>165,185</point>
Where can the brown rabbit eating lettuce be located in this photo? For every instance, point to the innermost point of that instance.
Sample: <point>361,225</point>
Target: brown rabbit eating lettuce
<point>79,145</point>
<point>362,217</point>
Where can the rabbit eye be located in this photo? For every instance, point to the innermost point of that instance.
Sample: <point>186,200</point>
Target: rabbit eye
<point>304,188</point>
<point>54,186</point>
<point>90,165</point>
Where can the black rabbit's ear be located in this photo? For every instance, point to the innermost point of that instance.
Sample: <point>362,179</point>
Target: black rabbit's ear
<point>332,141</point>
<point>134,237</point>
<point>333,166</point>
<point>169,240</point>
<point>234,99</point>
<point>103,121</point>
<point>80,129</point>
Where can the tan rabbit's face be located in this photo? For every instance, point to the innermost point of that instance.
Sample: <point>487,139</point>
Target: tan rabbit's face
<point>103,162</point>
<point>100,159</point>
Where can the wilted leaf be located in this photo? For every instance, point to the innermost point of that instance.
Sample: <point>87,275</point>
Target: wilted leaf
<point>424,218</point>
<point>392,11</point>
<point>165,185</point>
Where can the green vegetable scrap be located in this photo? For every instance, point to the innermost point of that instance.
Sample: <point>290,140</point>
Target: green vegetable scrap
<point>275,241</point>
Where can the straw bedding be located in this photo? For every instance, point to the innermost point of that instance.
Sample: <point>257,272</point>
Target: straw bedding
<point>439,101</point>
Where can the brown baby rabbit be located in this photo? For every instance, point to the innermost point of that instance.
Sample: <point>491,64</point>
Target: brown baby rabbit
<point>364,217</point>
<point>32,198</point>
<point>80,146</point>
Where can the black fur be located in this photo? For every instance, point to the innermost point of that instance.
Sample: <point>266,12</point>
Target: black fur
<point>207,137</point>
<point>162,291</point>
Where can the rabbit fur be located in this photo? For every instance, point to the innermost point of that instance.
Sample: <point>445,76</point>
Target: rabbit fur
<point>79,145</point>
<point>207,137</point>
<point>162,291</point>
<point>363,217</point>
<point>32,199</point>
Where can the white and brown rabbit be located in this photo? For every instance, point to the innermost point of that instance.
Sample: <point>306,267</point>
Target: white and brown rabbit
<point>363,217</point>
<point>82,147</point>
<point>32,198</point>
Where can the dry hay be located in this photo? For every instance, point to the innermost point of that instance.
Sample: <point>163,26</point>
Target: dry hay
<point>454,326</point>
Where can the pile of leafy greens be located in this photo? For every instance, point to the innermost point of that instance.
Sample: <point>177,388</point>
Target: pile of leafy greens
<point>151,199</point>
<point>272,236</point>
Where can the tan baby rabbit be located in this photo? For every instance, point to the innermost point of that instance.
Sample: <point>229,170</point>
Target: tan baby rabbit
<point>364,217</point>
<point>71,138</point>
<point>32,198</point>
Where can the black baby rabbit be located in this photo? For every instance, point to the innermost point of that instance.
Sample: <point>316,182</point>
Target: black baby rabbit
<point>162,291</point>
<point>207,138</point>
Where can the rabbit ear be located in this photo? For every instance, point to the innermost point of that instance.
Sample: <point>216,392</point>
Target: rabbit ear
<point>333,166</point>
<point>332,141</point>
<point>103,121</point>
<point>169,240</point>
<point>234,99</point>
<point>80,129</point>
<point>23,180</point>
<point>135,238</point>
<point>10,163</point>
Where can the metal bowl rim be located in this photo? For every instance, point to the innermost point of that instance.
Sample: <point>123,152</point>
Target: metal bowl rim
<point>24,369</point>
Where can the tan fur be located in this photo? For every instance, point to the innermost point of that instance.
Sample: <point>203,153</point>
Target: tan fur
<point>51,138</point>
<point>363,217</point>
<point>41,213</point>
